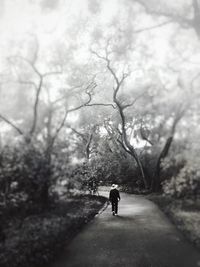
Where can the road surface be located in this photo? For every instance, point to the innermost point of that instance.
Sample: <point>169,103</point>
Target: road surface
<point>141,236</point>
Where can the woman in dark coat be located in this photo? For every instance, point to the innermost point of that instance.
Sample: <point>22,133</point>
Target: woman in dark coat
<point>114,198</point>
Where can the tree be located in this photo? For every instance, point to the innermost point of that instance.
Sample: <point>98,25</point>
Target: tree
<point>186,14</point>
<point>118,81</point>
<point>30,77</point>
<point>86,138</point>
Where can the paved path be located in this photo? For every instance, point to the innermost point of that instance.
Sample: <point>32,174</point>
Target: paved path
<point>141,236</point>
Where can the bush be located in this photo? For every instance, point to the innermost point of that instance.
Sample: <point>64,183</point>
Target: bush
<point>40,237</point>
<point>185,185</point>
<point>23,174</point>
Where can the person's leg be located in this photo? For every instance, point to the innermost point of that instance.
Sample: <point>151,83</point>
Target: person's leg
<point>113,207</point>
<point>116,207</point>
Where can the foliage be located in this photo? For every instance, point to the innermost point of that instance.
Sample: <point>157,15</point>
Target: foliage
<point>185,184</point>
<point>67,89</point>
<point>83,177</point>
<point>100,170</point>
<point>27,174</point>
<point>24,171</point>
<point>112,169</point>
<point>37,239</point>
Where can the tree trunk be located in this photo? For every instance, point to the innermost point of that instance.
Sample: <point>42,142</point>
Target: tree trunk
<point>140,166</point>
<point>87,146</point>
<point>156,182</point>
<point>44,192</point>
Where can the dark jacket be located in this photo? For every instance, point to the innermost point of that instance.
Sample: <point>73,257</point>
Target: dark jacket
<point>114,195</point>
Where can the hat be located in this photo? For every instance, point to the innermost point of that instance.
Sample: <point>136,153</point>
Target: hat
<point>114,186</point>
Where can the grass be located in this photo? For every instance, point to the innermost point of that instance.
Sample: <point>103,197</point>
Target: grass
<point>185,214</point>
<point>36,239</point>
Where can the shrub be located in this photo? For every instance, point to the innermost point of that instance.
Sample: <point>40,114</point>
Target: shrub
<point>23,174</point>
<point>185,185</point>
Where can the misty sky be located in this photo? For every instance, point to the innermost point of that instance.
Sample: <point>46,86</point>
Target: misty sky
<point>49,20</point>
<point>72,28</point>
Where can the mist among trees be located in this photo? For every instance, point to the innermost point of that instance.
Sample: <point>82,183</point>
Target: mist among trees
<point>94,93</point>
<point>98,92</point>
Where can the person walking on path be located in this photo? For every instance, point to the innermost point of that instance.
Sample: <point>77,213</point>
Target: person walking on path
<point>114,198</point>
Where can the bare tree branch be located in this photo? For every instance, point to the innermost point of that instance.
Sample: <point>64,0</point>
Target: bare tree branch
<point>78,133</point>
<point>134,101</point>
<point>29,62</point>
<point>144,137</point>
<point>66,114</point>
<point>153,27</point>
<point>124,147</point>
<point>86,139</point>
<point>87,147</point>
<point>175,17</point>
<point>107,60</point>
<point>111,134</point>
<point>12,124</point>
<point>184,22</point>
<point>32,65</point>
<point>37,87</point>
<point>35,109</point>
<point>118,83</point>
<point>101,104</point>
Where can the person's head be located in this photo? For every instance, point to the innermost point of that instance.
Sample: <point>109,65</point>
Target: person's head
<point>114,186</point>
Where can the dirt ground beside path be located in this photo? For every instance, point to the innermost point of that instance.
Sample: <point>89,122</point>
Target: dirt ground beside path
<point>140,236</point>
